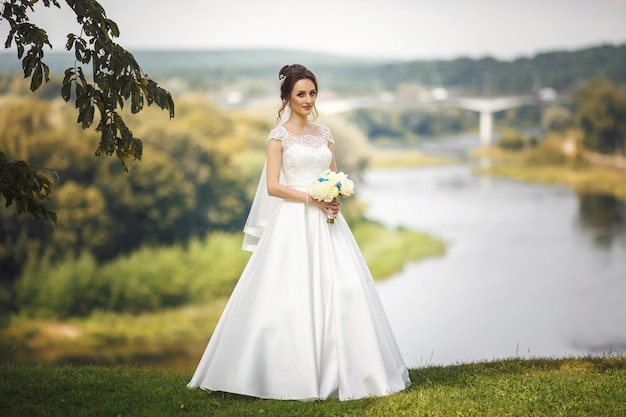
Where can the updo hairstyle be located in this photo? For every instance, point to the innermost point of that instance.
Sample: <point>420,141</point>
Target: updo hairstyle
<point>288,76</point>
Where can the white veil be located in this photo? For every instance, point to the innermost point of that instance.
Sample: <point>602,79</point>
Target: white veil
<point>264,205</point>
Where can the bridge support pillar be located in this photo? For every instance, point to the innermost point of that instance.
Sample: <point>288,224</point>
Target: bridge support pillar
<point>485,128</point>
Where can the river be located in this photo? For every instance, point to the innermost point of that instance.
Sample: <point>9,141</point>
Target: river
<point>531,270</point>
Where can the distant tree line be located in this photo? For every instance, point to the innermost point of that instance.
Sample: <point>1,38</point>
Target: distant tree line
<point>562,70</point>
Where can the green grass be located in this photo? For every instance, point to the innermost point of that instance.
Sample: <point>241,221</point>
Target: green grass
<point>572,387</point>
<point>382,157</point>
<point>583,180</point>
<point>387,251</point>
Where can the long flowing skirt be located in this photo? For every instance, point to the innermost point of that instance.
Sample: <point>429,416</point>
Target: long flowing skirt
<point>304,321</point>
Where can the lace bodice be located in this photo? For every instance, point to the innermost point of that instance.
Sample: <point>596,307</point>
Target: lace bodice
<point>305,156</point>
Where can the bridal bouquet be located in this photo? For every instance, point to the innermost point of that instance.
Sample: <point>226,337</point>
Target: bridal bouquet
<point>330,185</point>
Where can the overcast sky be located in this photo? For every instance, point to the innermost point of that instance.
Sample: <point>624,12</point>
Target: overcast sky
<point>404,29</point>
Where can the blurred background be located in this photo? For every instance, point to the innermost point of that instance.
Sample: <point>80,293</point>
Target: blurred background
<point>495,131</point>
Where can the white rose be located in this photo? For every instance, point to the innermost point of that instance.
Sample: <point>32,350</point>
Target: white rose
<point>347,187</point>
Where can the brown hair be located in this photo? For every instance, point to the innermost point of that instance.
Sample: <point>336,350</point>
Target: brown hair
<point>288,76</point>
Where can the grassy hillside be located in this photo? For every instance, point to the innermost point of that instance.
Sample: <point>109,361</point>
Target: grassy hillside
<point>537,387</point>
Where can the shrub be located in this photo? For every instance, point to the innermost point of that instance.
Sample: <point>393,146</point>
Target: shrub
<point>512,140</point>
<point>145,280</point>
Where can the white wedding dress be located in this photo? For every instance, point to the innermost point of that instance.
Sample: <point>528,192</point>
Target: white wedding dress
<point>304,321</point>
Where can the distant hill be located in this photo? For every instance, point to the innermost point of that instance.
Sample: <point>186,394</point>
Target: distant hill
<point>247,58</point>
<point>562,70</point>
<point>167,61</point>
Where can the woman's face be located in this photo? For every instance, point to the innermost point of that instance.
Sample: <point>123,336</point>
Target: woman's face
<point>303,95</point>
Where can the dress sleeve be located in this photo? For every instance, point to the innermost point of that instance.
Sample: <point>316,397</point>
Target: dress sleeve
<point>327,134</point>
<point>278,133</point>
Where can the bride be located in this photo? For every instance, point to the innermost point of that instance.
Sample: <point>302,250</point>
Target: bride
<point>304,321</point>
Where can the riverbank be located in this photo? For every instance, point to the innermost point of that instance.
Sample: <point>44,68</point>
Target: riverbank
<point>382,157</point>
<point>558,159</point>
<point>574,387</point>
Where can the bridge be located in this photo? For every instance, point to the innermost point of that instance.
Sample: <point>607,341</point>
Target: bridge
<point>484,106</point>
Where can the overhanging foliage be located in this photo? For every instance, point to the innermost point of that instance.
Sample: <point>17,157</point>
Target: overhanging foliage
<point>115,78</point>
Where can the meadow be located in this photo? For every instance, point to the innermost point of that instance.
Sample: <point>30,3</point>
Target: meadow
<point>143,306</point>
<point>573,387</point>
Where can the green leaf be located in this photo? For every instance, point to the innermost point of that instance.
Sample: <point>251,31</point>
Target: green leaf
<point>79,52</point>
<point>46,71</point>
<point>137,148</point>
<point>136,100</point>
<point>9,41</point>
<point>69,74</point>
<point>28,64</point>
<point>37,78</point>
<point>71,39</point>
<point>127,87</point>
<point>47,3</point>
<point>66,91</point>
<point>115,32</point>
<point>80,93</point>
<point>86,116</point>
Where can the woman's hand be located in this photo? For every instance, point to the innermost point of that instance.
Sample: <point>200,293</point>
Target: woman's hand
<point>330,209</point>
